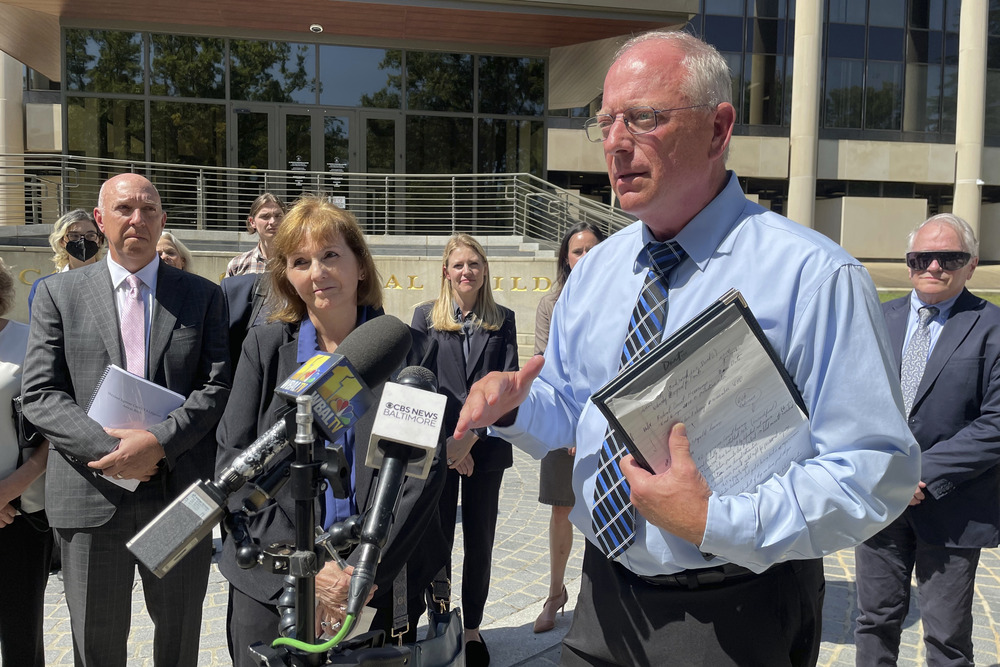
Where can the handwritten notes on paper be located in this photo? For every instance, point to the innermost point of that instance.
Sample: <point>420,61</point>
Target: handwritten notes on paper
<point>742,421</point>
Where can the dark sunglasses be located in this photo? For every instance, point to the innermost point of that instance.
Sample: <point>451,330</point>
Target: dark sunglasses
<point>949,261</point>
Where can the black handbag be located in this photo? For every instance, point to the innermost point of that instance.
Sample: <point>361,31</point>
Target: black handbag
<point>27,435</point>
<point>444,644</point>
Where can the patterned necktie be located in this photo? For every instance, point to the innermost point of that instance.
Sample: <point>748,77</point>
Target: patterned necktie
<point>612,512</point>
<point>134,328</point>
<point>915,357</point>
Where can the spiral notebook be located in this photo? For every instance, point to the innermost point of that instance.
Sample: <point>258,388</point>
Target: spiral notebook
<point>124,400</point>
<point>719,375</point>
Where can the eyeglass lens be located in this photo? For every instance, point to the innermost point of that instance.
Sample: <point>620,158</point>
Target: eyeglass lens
<point>76,236</point>
<point>949,261</point>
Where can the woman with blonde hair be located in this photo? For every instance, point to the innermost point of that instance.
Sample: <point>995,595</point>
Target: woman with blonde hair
<point>173,252</point>
<point>324,285</point>
<point>475,336</point>
<point>76,242</point>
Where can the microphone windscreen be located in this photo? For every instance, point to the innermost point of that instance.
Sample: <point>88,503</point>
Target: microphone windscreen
<point>377,348</point>
<point>418,376</point>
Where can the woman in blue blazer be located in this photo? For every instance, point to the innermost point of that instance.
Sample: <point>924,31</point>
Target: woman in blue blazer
<point>475,336</point>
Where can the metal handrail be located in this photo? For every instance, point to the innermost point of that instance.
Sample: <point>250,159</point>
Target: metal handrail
<point>218,198</point>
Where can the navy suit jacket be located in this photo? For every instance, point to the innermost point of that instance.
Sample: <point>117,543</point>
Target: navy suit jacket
<point>956,419</point>
<point>490,351</point>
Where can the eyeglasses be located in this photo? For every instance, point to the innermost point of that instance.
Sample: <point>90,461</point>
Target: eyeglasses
<point>638,120</point>
<point>73,237</point>
<point>949,260</point>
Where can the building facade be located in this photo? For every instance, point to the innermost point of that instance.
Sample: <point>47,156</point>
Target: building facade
<point>856,117</point>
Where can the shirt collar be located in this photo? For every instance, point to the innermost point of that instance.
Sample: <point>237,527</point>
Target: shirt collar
<point>702,237</point>
<point>308,344</point>
<point>147,274</point>
<point>944,307</point>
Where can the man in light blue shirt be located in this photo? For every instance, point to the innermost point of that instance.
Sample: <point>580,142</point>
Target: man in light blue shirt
<point>709,579</point>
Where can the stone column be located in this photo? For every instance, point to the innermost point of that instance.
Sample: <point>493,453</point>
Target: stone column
<point>969,126</point>
<point>11,141</point>
<point>804,131</point>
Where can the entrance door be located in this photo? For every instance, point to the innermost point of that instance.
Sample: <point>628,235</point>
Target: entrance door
<point>253,128</point>
<point>381,147</point>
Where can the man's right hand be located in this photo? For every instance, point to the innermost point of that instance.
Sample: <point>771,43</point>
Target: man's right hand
<point>495,395</point>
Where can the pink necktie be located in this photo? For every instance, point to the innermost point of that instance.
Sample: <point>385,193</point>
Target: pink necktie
<point>134,328</point>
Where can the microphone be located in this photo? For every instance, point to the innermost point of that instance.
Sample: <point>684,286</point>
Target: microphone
<point>339,387</point>
<point>405,436</point>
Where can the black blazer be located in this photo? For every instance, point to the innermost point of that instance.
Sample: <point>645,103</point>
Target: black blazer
<point>416,540</point>
<point>491,351</point>
<point>956,420</point>
<point>241,294</point>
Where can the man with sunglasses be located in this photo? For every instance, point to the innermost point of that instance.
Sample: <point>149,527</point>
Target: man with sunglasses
<point>676,574</point>
<point>947,344</point>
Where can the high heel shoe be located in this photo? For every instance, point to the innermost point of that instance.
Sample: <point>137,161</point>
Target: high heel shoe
<point>547,619</point>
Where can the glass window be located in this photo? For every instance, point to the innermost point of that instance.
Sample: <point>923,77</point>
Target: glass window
<point>887,13</point>
<point>188,133</point>
<point>993,22</point>
<point>926,14</point>
<point>34,80</point>
<point>183,66</point>
<point>952,14</point>
<point>272,71</point>
<point>992,128</point>
<point>845,41</point>
<point>763,97</point>
<point>774,9</point>
<point>351,77</point>
<point>104,61</point>
<point>511,85</point>
<point>993,52</point>
<point>735,62</point>
<point>765,36</point>
<point>949,98</point>
<point>843,101</point>
<point>725,7</point>
<point>884,96</point>
<point>885,43</point>
<point>105,128</point>
<point>438,145</point>
<point>510,146</point>
<point>724,32</point>
<point>951,48</point>
<point>847,11</point>
<point>438,81</point>
<point>922,109</point>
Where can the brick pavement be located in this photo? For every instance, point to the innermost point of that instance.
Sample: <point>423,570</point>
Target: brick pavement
<point>520,572</point>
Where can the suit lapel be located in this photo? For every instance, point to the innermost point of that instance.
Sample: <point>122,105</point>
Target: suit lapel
<point>99,294</point>
<point>956,329</point>
<point>895,319</point>
<point>166,305</point>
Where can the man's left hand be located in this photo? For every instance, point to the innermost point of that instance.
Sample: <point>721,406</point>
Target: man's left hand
<point>136,457</point>
<point>675,500</point>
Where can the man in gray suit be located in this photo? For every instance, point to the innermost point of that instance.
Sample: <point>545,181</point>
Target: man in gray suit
<point>947,344</point>
<point>176,336</point>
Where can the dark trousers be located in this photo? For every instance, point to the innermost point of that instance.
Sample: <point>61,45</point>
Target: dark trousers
<point>946,579</point>
<point>480,505</point>
<point>98,573</point>
<point>772,619</point>
<point>25,554</point>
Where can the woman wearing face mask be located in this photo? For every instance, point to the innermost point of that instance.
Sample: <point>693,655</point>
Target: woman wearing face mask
<point>173,252</point>
<point>266,214</point>
<point>555,483</point>
<point>76,241</point>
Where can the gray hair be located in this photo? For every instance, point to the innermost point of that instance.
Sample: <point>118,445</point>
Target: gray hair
<point>182,249</point>
<point>708,79</point>
<point>961,227</point>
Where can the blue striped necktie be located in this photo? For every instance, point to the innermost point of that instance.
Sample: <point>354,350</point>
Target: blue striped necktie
<point>613,516</point>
